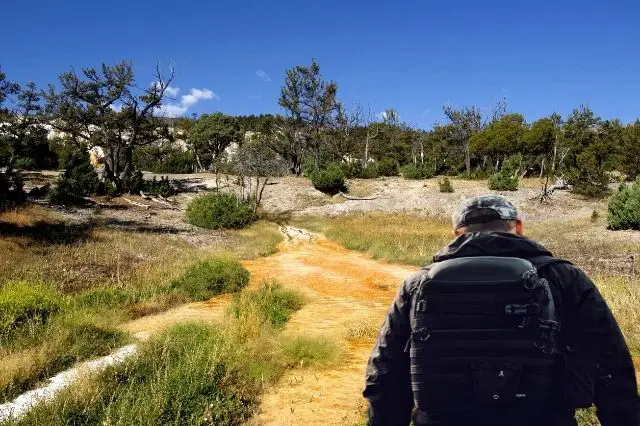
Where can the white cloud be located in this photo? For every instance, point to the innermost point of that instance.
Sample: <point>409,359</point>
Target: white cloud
<point>172,91</point>
<point>186,101</point>
<point>116,108</point>
<point>382,115</point>
<point>195,95</point>
<point>263,75</point>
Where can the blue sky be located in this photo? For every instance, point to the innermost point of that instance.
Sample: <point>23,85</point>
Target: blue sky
<point>414,56</point>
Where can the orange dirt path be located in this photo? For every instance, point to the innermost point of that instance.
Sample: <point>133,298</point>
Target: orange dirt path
<point>343,289</point>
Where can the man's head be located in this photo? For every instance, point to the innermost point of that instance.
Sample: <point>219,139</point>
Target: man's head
<point>487,213</point>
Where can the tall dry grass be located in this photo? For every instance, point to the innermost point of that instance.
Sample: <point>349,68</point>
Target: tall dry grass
<point>396,237</point>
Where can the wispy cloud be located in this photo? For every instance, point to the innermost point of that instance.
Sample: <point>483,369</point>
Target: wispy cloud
<point>263,75</point>
<point>186,101</point>
<point>116,107</point>
<point>382,115</point>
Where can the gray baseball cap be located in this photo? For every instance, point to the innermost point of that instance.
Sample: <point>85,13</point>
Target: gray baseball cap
<point>484,208</point>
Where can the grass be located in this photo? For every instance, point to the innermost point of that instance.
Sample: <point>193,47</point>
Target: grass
<point>65,287</point>
<point>51,348</point>
<point>192,374</point>
<point>271,302</point>
<point>397,237</point>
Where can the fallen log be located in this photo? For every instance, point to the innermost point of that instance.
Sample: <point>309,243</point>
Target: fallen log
<point>357,198</point>
<point>144,206</point>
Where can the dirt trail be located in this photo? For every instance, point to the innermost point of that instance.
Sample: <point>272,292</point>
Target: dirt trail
<point>346,291</point>
<point>347,295</point>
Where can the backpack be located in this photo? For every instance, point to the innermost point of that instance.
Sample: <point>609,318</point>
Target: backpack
<point>484,341</point>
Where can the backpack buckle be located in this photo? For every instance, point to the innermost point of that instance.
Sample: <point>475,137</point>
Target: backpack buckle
<point>528,309</point>
<point>422,306</point>
<point>531,280</point>
<point>548,325</point>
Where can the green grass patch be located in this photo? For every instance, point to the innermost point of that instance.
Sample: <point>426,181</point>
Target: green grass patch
<point>67,339</point>
<point>271,302</point>
<point>207,278</point>
<point>103,298</point>
<point>304,351</point>
<point>23,304</point>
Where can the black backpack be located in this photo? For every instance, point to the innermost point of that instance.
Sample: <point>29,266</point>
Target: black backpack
<point>484,342</point>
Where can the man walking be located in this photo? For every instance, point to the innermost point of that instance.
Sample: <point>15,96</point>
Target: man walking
<point>498,332</point>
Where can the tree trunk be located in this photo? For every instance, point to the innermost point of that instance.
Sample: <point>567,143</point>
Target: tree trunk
<point>555,153</point>
<point>467,156</point>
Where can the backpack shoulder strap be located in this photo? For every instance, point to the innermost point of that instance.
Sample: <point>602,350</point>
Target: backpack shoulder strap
<point>542,261</point>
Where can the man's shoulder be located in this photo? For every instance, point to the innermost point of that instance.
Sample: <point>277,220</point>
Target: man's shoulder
<point>413,281</point>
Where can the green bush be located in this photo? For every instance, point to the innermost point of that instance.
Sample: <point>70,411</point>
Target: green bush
<point>445,185</point>
<point>502,181</point>
<point>11,189</point>
<point>352,170</point>
<point>207,278</point>
<point>588,177</point>
<point>162,187</point>
<point>370,172</point>
<point>507,178</point>
<point>387,167</point>
<point>274,304</point>
<point>329,181</point>
<point>471,176</point>
<point>164,160</point>
<point>414,171</point>
<point>624,207</point>
<point>24,304</point>
<point>78,180</point>
<point>219,211</point>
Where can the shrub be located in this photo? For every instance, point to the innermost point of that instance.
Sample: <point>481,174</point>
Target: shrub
<point>329,181</point>
<point>445,185</point>
<point>370,172</point>
<point>502,181</point>
<point>413,171</point>
<point>24,303</point>
<point>624,208</point>
<point>303,351</point>
<point>219,211</point>
<point>588,176</point>
<point>164,160</point>
<point>78,180</point>
<point>352,170</point>
<point>273,304</point>
<point>160,187</point>
<point>207,278</point>
<point>11,191</point>
<point>387,167</point>
<point>507,178</point>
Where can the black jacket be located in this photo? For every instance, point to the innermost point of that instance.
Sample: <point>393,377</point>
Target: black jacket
<point>579,304</point>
